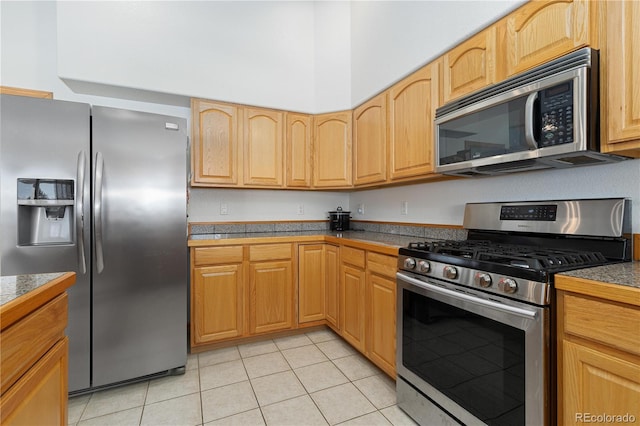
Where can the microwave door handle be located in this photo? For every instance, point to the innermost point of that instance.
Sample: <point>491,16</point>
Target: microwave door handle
<point>529,112</point>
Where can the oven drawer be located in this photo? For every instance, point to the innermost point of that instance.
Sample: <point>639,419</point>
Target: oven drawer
<point>612,324</point>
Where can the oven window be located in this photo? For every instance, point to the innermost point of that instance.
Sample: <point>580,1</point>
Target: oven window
<point>493,131</point>
<point>475,361</point>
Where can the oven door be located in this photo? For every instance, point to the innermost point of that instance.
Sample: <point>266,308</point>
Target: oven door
<point>482,359</point>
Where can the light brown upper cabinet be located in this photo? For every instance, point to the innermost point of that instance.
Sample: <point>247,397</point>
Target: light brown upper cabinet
<point>263,147</point>
<point>469,66</point>
<point>332,150</point>
<point>299,132</point>
<point>370,141</point>
<point>215,156</point>
<point>620,79</point>
<point>543,30</point>
<point>412,104</point>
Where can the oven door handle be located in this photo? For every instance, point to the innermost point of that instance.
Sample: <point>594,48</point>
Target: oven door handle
<point>469,298</point>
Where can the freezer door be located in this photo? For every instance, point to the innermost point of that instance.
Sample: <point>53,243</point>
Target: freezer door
<point>49,139</point>
<point>140,244</point>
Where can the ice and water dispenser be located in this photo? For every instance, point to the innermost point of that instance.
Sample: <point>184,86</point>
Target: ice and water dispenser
<point>45,211</point>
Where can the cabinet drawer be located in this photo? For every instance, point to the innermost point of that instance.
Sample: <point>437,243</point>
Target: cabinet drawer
<point>614,325</point>
<point>217,255</point>
<point>262,252</point>
<point>27,340</point>
<point>352,256</point>
<point>381,264</point>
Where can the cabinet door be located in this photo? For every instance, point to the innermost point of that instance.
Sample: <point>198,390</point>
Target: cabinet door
<point>332,275</point>
<point>263,147</point>
<point>470,66</point>
<point>595,382</point>
<point>381,322</point>
<point>214,159</point>
<point>412,104</point>
<point>217,303</point>
<point>620,64</point>
<point>332,150</point>
<point>543,30</point>
<point>40,396</point>
<point>299,145</point>
<point>270,296</point>
<point>370,141</point>
<point>352,297</point>
<point>311,282</point>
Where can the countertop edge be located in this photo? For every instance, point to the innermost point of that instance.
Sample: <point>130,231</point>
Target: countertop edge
<point>378,247</point>
<point>21,306</point>
<point>603,290</point>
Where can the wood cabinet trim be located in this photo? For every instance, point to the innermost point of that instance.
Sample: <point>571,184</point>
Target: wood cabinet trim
<point>13,311</point>
<point>268,252</point>
<point>26,341</point>
<point>602,290</point>
<point>612,324</point>
<point>46,379</point>
<point>17,91</point>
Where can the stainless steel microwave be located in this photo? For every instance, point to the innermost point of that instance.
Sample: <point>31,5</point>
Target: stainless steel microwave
<point>547,117</point>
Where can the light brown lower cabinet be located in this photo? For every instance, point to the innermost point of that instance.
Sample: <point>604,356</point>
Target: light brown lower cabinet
<point>244,290</point>
<point>311,283</point>
<point>381,311</point>
<point>39,397</point>
<point>599,360</point>
<point>332,285</point>
<point>352,298</point>
<point>217,294</point>
<point>34,356</point>
<point>217,308</point>
<point>270,296</point>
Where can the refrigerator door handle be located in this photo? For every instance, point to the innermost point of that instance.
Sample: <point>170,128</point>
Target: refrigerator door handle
<point>82,261</point>
<point>97,211</point>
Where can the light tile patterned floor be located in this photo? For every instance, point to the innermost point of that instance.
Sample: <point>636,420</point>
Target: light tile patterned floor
<point>308,379</point>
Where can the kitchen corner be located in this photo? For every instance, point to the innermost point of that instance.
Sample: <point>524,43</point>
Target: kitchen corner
<point>33,314</point>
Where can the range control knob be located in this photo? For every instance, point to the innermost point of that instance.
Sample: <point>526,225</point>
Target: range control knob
<point>508,285</point>
<point>409,263</point>
<point>424,266</point>
<point>483,280</point>
<point>450,272</point>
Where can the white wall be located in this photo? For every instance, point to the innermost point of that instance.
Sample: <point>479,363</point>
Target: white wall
<point>258,53</point>
<point>332,50</point>
<point>390,39</point>
<point>261,205</point>
<point>443,202</point>
<point>29,55</point>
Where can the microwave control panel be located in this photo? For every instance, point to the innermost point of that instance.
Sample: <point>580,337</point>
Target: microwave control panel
<point>556,113</point>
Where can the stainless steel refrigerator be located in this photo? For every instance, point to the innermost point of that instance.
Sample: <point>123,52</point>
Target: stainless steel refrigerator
<point>101,191</point>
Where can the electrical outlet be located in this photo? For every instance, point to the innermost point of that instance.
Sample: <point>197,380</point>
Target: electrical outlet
<point>224,208</point>
<point>300,208</point>
<point>361,209</point>
<point>404,208</point>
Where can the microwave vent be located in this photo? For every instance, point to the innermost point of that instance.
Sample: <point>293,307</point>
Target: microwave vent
<point>580,160</point>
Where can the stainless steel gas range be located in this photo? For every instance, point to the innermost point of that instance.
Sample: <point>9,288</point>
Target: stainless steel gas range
<point>475,317</point>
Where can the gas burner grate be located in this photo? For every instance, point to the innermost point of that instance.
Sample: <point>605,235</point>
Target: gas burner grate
<point>521,256</point>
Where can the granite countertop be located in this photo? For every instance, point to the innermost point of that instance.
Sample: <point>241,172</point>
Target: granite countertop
<point>12,287</point>
<point>624,274</point>
<point>379,238</point>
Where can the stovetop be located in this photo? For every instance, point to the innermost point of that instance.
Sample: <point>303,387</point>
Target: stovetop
<point>514,251</point>
<point>514,255</point>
